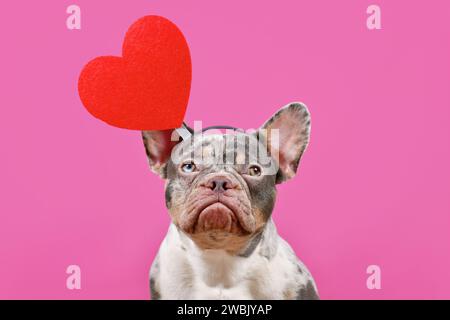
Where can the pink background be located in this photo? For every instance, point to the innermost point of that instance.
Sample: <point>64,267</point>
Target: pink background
<point>373,187</point>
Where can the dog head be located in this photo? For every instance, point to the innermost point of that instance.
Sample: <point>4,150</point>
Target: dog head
<point>221,188</point>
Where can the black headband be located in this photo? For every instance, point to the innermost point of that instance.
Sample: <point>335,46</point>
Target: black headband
<point>212,127</point>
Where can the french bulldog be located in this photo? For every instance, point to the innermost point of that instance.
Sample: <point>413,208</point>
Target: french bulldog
<point>222,242</point>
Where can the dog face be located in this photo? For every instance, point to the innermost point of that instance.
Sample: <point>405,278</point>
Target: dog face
<point>220,188</point>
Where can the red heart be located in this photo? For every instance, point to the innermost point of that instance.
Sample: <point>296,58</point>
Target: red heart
<point>148,88</point>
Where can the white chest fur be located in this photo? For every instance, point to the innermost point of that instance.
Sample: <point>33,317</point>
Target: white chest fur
<point>183,271</point>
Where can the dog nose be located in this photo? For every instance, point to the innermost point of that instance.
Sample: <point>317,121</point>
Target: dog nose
<point>219,184</point>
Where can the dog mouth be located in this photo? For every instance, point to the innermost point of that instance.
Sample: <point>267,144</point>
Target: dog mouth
<point>220,214</point>
<point>216,216</point>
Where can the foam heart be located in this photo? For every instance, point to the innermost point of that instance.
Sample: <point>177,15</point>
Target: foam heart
<point>148,87</point>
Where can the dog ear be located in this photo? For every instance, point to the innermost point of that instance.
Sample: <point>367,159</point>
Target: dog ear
<point>158,146</point>
<point>293,123</point>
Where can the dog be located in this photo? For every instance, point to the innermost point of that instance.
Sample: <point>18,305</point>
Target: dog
<point>222,242</point>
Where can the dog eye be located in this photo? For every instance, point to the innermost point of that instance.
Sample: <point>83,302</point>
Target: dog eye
<point>254,171</point>
<point>188,167</point>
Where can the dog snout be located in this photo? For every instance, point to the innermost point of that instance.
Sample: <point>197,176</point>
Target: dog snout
<point>219,184</point>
